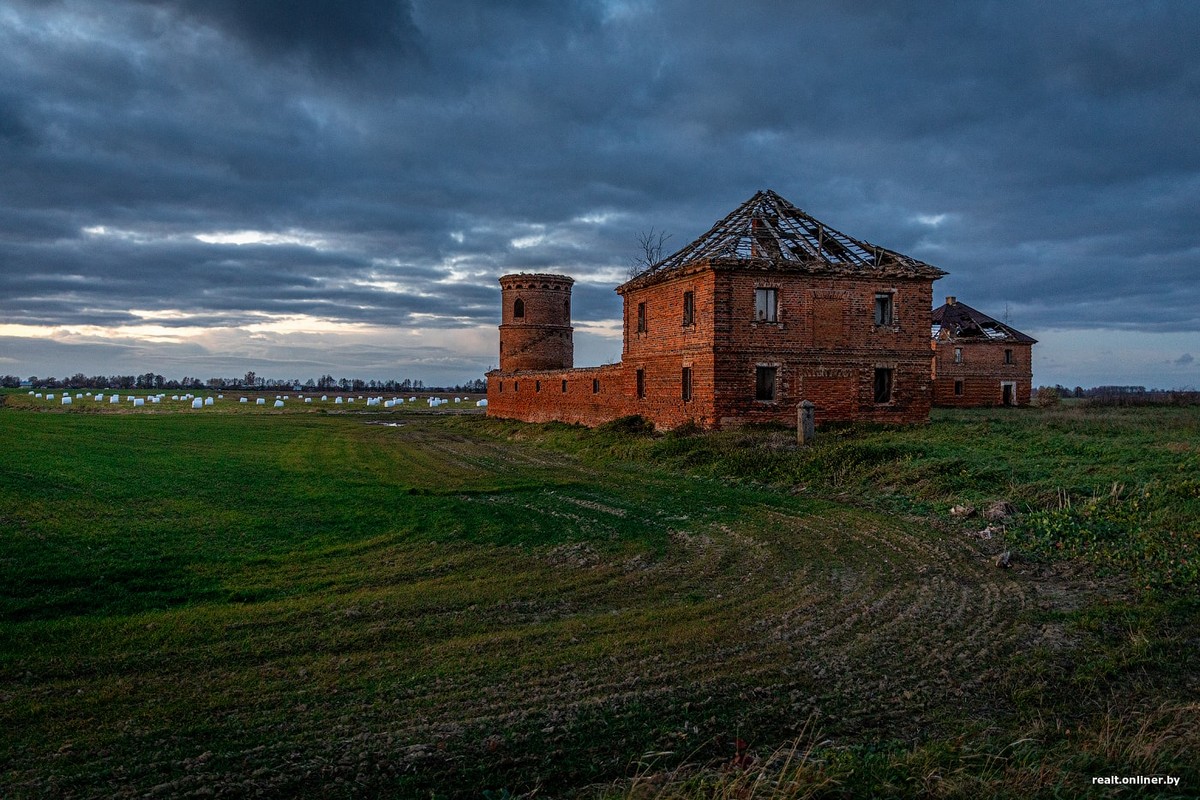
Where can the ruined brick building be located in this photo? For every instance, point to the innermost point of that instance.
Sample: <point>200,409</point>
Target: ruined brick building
<point>979,361</point>
<point>768,308</point>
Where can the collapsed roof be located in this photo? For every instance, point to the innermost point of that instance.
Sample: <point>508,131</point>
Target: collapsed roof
<point>955,320</point>
<point>768,232</point>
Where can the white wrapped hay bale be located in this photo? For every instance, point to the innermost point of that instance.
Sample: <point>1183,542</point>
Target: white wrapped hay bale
<point>308,399</point>
<point>482,403</point>
<point>78,396</point>
<point>49,397</point>
<point>208,401</point>
<point>324,398</point>
<point>99,398</point>
<point>116,398</point>
<point>66,400</point>
<point>412,399</point>
<point>137,401</point>
<point>156,399</point>
<point>337,401</point>
<point>220,397</point>
<point>242,400</point>
<point>39,394</point>
<point>197,403</point>
<point>279,404</point>
<point>262,401</point>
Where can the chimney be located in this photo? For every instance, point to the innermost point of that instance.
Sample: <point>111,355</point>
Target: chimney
<point>951,299</point>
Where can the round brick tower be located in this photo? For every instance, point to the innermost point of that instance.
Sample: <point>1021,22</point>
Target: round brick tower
<point>535,322</point>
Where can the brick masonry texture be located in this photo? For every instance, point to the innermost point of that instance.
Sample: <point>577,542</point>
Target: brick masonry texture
<point>983,373</point>
<point>824,346</point>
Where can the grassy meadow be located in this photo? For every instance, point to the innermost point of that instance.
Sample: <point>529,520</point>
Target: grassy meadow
<point>302,602</point>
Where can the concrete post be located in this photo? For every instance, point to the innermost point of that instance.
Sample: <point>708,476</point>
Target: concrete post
<point>805,426</point>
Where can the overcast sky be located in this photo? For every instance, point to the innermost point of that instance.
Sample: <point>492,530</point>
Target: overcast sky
<point>206,187</point>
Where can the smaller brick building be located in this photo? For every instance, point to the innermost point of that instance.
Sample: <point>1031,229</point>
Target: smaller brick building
<point>769,308</point>
<point>979,361</point>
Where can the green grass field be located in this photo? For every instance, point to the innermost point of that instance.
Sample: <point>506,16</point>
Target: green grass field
<point>242,601</point>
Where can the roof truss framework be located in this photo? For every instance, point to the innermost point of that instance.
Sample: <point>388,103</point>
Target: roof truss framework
<point>767,228</point>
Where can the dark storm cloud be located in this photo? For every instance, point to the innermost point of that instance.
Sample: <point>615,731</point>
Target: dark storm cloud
<point>1044,154</point>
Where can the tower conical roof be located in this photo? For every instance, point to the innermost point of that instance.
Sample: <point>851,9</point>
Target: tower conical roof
<point>768,232</point>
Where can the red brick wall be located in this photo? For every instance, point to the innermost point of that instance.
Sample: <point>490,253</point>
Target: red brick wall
<point>982,371</point>
<point>517,396</point>
<point>824,343</point>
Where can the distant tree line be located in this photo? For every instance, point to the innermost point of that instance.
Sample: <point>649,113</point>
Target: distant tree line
<point>249,381</point>
<point>1123,395</point>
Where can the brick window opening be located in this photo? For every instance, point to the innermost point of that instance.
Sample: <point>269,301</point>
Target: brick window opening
<point>641,318</point>
<point>516,386</point>
<point>885,309</point>
<point>564,387</point>
<point>958,388</point>
<point>502,386</point>
<point>689,308</point>
<point>958,355</point>
<point>686,385</point>
<point>519,309</point>
<point>766,305</point>
<point>641,383</point>
<point>764,383</point>
<point>537,386</point>
<point>1008,357</point>
<point>883,384</point>
<point>595,386</point>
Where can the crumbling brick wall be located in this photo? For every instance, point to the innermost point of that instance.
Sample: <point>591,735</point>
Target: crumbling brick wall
<point>977,380</point>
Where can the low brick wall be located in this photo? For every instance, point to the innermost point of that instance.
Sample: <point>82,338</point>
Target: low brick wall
<point>593,395</point>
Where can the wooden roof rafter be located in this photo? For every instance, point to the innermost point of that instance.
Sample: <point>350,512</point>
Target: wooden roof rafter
<point>768,231</point>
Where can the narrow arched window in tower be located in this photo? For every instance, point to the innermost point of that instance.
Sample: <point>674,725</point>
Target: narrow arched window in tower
<point>519,309</point>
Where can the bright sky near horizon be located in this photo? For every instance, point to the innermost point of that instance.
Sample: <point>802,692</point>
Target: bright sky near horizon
<point>208,187</point>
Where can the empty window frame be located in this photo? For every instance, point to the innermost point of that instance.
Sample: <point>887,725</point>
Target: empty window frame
<point>564,387</point>
<point>516,386</point>
<point>764,382</point>
<point>685,385</point>
<point>641,383</point>
<point>884,378</point>
<point>1008,357</point>
<point>689,308</point>
<point>958,355</point>
<point>641,318</point>
<point>885,308</point>
<point>595,386</point>
<point>502,386</point>
<point>766,305</point>
<point>519,309</point>
<point>958,388</point>
<point>537,386</point>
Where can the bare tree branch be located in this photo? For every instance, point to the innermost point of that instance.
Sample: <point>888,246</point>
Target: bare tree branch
<point>650,247</point>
